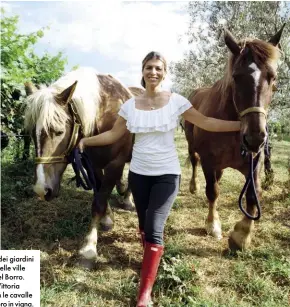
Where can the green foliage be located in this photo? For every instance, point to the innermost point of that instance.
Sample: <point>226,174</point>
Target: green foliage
<point>177,276</point>
<point>271,270</point>
<point>20,64</point>
<point>205,62</point>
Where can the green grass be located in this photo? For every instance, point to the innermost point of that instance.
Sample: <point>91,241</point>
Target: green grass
<point>196,270</point>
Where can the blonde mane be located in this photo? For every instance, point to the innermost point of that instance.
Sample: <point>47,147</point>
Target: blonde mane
<point>41,107</point>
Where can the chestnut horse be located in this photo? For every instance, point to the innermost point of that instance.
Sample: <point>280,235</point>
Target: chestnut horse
<point>81,103</point>
<point>244,94</point>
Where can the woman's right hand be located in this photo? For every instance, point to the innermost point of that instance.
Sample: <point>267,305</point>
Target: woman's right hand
<point>105,138</point>
<point>81,145</point>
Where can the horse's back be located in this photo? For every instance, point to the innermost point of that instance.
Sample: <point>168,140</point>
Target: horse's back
<point>136,91</point>
<point>113,88</point>
<point>113,94</point>
<point>197,96</point>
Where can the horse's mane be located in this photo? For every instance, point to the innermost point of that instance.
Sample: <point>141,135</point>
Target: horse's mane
<point>42,106</point>
<point>263,53</point>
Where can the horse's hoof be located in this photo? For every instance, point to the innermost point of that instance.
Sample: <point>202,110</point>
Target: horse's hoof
<point>194,188</point>
<point>106,224</point>
<point>233,246</point>
<point>214,229</point>
<point>88,252</point>
<point>127,206</point>
<point>89,264</point>
<point>238,243</point>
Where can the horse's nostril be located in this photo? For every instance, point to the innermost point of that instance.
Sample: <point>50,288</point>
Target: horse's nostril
<point>253,142</point>
<point>263,135</point>
<point>245,140</point>
<point>48,193</point>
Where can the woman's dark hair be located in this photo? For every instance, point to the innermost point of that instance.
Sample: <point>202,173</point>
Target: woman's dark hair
<point>152,55</point>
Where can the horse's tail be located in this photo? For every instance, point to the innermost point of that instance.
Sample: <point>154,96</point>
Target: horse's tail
<point>181,124</point>
<point>188,129</point>
<point>269,173</point>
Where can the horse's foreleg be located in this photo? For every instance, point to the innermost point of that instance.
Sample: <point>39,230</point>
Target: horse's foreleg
<point>112,172</point>
<point>89,248</point>
<point>98,173</point>
<point>213,224</point>
<point>122,184</point>
<point>125,200</point>
<point>100,216</point>
<point>194,186</point>
<point>123,188</point>
<point>240,237</point>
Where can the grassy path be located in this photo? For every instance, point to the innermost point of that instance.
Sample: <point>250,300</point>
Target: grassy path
<point>196,270</point>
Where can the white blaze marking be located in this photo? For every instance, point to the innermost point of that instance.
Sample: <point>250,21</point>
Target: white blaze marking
<point>256,73</point>
<point>40,183</point>
<point>40,174</point>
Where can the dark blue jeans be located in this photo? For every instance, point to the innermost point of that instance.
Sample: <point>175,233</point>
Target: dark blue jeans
<point>153,197</point>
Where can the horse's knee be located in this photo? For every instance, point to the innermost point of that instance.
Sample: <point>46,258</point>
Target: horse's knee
<point>212,192</point>
<point>107,220</point>
<point>121,186</point>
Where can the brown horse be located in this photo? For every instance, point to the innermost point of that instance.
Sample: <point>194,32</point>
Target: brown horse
<point>244,93</point>
<point>82,103</point>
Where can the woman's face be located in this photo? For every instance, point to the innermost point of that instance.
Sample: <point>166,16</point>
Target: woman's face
<point>153,72</point>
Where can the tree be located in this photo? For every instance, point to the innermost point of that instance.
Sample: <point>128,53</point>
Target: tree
<point>20,64</point>
<point>205,62</point>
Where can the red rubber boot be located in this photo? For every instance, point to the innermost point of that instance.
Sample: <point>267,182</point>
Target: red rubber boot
<point>150,264</point>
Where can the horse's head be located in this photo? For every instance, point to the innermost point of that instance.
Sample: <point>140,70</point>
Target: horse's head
<point>50,120</point>
<point>252,70</point>
<point>54,115</point>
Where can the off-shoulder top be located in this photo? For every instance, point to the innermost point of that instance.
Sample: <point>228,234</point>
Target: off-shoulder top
<point>154,151</point>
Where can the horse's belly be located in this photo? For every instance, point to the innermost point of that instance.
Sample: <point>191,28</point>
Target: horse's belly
<point>119,153</point>
<point>219,151</point>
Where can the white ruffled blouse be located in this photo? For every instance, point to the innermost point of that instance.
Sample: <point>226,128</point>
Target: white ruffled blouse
<point>163,119</point>
<point>154,151</point>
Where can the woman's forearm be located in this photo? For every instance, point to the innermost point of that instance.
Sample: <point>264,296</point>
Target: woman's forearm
<point>103,139</point>
<point>219,125</point>
<point>209,123</point>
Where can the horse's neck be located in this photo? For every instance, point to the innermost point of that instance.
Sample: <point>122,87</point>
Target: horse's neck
<point>227,105</point>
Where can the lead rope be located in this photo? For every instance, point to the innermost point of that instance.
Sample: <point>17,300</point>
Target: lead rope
<point>84,171</point>
<point>250,181</point>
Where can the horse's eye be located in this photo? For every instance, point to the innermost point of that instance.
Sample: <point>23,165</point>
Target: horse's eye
<point>271,77</point>
<point>58,133</point>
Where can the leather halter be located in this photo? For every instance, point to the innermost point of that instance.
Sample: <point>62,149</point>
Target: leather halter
<point>72,143</point>
<point>253,110</point>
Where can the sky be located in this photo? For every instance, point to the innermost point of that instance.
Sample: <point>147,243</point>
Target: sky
<point>111,36</point>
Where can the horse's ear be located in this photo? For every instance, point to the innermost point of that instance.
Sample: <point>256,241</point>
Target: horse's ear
<point>66,95</point>
<point>30,88</point>
<point>231,42</point>
<point>275,39</point>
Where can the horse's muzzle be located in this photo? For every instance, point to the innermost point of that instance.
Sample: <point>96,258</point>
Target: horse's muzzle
<point>253,142</point>
<point>48,194</point>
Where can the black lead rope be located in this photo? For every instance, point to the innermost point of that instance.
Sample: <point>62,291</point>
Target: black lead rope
<point>267,145</point>
<point>250,181</point>
<point>83,169</point>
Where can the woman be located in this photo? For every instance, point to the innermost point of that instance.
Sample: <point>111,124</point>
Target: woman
<point>154,170</point>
